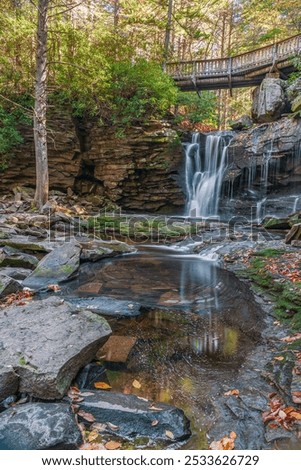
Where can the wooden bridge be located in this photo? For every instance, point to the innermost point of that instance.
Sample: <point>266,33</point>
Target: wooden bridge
<point>243,70</point>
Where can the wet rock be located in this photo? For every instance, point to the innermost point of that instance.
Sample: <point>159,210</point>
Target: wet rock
<point>273,434</point>
<point>9,381</point>
<point>96,254</point>
<point>8,285</point>
<point>47,343</point>
<point>90,374</point>
<point>39,426</point>
<point>106,306</point>
<point>269,100</point>
<point>10,257</point>
<point>244,122</point>
<point>117,348</point>
<point>16,273</point>
<point>58,266</point>
<point>133,417</point>
<point>25,244</point>
<point>274,223</point>
<point>96,250</point>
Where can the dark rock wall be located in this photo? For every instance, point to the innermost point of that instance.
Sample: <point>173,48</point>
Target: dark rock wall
<point>140,171</point>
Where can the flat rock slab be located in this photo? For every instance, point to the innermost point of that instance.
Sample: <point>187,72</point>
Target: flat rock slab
<point>39,426</point>
<point>8,285</point>
<point>10,257</point>
<point>117,348</point>
<point>26,244</point>
<point>47,343</point>
<point>107,306</point>
<point>133,417</point>
<point>58,266</point>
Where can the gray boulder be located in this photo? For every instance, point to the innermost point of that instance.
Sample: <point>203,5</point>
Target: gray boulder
<point>294,90</point>
<point>58,266</point>
<point>9,382</point>
<point>244,122</point>
<point>47,343</point>
<point>10,257</point>
<point>269,100</point>
<point>134,417</point>
<point>8,285</point>
<point>39,426</point>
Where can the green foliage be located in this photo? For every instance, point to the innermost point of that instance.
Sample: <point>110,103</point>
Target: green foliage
<point>10,136</point>
<point>139,91</point>
<point>197,109</point>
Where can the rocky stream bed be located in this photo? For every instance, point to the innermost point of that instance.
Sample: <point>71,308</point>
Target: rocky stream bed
<point>104,345</point>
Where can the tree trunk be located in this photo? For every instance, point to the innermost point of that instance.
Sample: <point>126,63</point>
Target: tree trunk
<point>167,33</point>
<point>40,108</point>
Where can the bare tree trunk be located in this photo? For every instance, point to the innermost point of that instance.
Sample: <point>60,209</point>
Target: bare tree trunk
<point>40,108</point>
<point>167,32</point>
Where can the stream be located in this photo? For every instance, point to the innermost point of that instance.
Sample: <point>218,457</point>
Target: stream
<point>199,323</point>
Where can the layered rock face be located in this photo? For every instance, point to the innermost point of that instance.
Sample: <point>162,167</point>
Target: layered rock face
<point>140,171</point>
<point>269,100</point>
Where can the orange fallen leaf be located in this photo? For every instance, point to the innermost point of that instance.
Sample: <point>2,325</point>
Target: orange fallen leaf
<point>226,443</point>
<point>112,445</point>
<point>234,392</point>
<point>87,416</point>
<point>296,415</point>
<point>279,358</point>
<point>102,385</point>
<point>136,384</point>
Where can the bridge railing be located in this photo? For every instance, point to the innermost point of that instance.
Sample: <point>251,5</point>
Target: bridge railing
<point>237,65</point>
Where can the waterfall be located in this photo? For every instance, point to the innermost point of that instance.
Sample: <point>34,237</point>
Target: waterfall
<point>204,170</point>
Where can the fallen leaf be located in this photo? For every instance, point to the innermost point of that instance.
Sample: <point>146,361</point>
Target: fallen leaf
<point>296,397</point>
<point>155,422</point>
<point>296,415</point>
<point>216,445</point>
<point>142,398</point>
<point>93,435</point>
<point>86,394</point>
<point>279,358</point>
<point>234,392</point>
<point>226,443</point>
<point>92,446</point>
<point>136,384</point>
<point>291,339</point>
<point>112,445</point>
<point>87,416</point>
<point>233,435</point>
<point>154,408</point>
<point>169,434</point>
<point>100,427</point>
<point>77,399</point>
<point>113,427</point>
<point>102,385</point>
<point>53,287</point>
<point>282,414</point>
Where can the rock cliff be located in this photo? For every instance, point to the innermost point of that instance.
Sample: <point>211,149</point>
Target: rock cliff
<point>139,172</point>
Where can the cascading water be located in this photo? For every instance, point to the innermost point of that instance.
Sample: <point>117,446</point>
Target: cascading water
<point>204,170</point>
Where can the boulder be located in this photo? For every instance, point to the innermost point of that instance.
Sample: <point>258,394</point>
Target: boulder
<point>9,381</point>
<point>294,89</point>
<point>274,223</point>
<point>39,426</point>
<point>8,285</point>
<point>58,266</point>
<point>26,244</point>
<point>134,417</point>
<point>10,257</point>
<point>47,343</point>
<point>16,273</point>
<point>244,122</point>
<point>269,100</point>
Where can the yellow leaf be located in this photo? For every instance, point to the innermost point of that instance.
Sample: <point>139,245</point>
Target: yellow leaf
<point>136,384</point>
<point>170,435</point>
<point>296,415</point>
<point>93,435</point>
<point>102,385</point>
<point>112,445</point>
